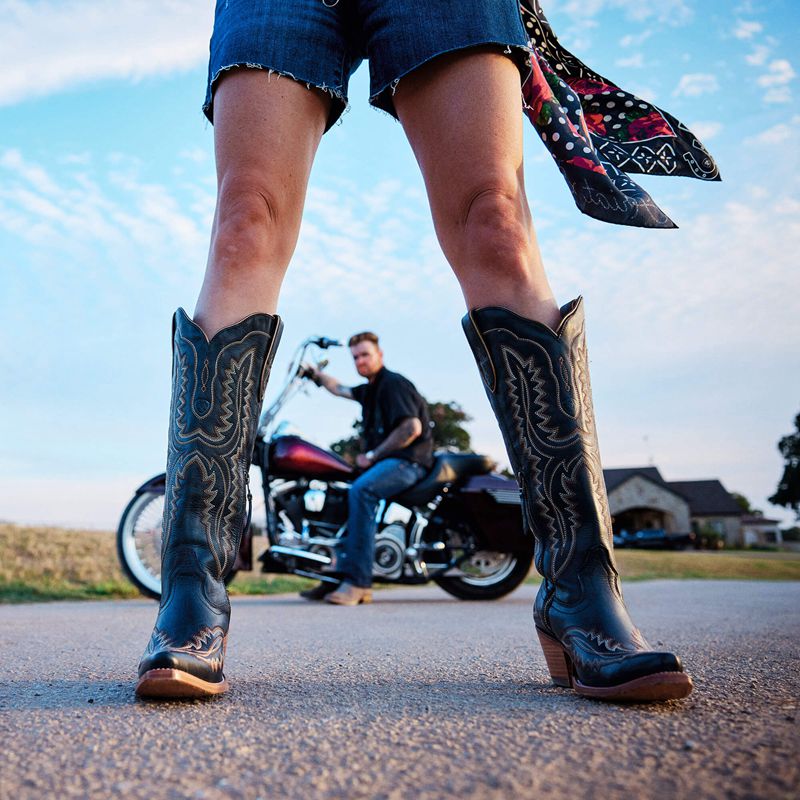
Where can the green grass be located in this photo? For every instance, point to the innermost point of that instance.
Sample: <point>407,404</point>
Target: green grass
<point>46,563</point>
<point>644,565</point>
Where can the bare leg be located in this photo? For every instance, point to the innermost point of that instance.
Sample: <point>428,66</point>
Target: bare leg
<point>266,133</point>
<point>462,116</point>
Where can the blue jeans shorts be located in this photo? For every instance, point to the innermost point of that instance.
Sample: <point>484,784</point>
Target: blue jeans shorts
<point>322,42</point>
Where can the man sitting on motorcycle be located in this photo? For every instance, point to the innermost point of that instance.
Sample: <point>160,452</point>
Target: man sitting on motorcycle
<point>398,444</point>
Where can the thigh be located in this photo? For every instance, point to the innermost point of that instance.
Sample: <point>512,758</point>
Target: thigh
<point>402,35</point>
<point>462,115</point>
<point>266,133</point>
<point>387,478</point>
<point>307,40</point>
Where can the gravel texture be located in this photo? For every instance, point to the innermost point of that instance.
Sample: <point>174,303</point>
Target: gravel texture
<point>417,696</point>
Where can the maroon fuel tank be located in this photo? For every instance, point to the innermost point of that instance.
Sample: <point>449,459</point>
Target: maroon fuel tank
<point>293,457</point>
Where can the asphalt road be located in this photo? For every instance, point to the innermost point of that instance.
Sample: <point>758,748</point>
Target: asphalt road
<point>417,696</point>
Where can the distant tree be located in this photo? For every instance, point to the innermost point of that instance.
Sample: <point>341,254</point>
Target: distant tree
<point>744,504</point>
<point>788,492</point>
<point>791,534</point>
<point>447,419</point>
<point>448,427</point>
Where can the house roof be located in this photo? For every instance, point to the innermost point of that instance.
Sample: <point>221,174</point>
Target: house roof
<point>708,498</point>
<point>616,477</point>
<point>758,519</point>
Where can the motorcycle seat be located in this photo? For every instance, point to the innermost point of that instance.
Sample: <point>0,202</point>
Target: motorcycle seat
<point>447,468</point>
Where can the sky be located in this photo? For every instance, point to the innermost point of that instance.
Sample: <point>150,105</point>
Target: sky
<point>107,191</point>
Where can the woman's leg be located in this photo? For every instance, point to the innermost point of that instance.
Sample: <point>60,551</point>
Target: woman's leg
<point>266,132</point>
<point>463,118</point>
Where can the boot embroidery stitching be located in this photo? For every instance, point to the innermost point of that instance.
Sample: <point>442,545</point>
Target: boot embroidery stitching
<point>207,645</point>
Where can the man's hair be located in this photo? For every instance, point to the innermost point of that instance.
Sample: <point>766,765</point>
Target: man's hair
<point>364,336</point>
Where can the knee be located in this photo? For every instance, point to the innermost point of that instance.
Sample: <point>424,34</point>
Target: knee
<point>496,222</point>
<point>250,223</point>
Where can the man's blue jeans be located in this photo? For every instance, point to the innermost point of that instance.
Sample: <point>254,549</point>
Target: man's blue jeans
<point>386,479</point>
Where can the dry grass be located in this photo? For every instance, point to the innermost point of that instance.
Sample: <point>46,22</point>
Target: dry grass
<point>44,563</point>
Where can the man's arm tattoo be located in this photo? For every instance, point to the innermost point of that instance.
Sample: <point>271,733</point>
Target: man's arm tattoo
<point>402,436</point>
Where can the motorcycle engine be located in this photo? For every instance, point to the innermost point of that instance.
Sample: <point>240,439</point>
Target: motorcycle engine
<point>390,551</point>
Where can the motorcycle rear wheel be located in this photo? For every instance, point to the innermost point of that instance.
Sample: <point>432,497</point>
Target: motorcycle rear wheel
<point>139,543</point>
<point>490,575</point>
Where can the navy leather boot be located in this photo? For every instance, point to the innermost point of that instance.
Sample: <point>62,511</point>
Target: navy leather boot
<point>537,380</point>
<point>217,389</point>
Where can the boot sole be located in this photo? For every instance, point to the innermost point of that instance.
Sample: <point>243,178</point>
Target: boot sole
<point>361,600</point>
<point>176,684</point>
<point>649,688</point>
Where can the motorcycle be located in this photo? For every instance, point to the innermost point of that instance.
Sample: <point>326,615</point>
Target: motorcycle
<point>460,526</point>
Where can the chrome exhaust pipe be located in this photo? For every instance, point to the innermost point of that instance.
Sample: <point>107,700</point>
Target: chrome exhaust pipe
<point>291,552</point>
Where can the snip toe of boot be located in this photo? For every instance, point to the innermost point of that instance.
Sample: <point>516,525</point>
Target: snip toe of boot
<point>643,677</point>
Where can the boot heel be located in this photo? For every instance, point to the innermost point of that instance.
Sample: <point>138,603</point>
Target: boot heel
<point>557,660</point>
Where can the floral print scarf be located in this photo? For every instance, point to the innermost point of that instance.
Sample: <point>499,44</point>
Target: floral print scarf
<point>597,132</point>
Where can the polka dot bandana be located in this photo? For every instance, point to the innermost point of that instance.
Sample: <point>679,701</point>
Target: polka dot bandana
<point>597,132</point>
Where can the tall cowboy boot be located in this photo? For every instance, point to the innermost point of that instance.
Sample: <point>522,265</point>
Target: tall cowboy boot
<point>217,389</point>
<point>537,381</point>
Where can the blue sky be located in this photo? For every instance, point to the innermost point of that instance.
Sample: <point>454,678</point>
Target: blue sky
<point>107,191</point>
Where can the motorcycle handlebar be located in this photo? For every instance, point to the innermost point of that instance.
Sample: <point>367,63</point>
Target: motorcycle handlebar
<point>324,342</point>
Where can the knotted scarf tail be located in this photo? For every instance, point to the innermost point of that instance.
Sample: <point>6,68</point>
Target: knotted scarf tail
<point>598,132</point>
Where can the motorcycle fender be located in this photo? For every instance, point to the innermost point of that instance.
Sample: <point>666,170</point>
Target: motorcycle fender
<point>493,504</point>
<point>157,485</point>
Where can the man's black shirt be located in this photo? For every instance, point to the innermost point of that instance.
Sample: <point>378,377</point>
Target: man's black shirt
<point>385,403</point>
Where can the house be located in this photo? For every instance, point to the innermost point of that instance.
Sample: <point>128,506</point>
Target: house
<point>639,498</point>
<point>757,529</point>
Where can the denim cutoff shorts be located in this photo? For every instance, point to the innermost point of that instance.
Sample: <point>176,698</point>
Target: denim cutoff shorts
<point>322,42</point>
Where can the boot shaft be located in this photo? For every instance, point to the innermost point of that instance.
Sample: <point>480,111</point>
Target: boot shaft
<point>217,390</point>
<point>537,380</point>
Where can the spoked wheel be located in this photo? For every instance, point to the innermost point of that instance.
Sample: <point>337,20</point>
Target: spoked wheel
<point>488,575</point>
<point>139,542</point>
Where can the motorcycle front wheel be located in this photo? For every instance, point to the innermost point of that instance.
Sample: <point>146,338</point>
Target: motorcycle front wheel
<point>139,543</point>
<point>488,575</point>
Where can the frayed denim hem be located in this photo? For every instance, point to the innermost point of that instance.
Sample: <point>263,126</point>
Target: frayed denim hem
<point>338,106</point>
<point>520,54</point>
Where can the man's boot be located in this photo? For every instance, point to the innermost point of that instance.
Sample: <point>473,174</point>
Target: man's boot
<point>217,389</point>
<point>537,381</point>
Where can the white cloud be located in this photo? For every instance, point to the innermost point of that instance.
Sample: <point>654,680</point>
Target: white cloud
<point>758,57</point>
<point>671,12</point>
<point>780,73</point>
<point>635,61</point>
<point>49,46</point>
<point>778,95</point>
<point>747,29</point>
<point>696,83</point>
<point>705,131</point>
<point>632,39</point>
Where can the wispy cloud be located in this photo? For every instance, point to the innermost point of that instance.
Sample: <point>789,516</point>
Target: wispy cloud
<point>747,29</point>
<point>696,83</point>
<point>706,131</point>
<point>778,134</point>
<point>88,41</point>
<point>780,73</point>
<point>671,12</point>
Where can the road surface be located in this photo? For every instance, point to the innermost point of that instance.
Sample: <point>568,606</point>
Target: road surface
<point>417,696</point>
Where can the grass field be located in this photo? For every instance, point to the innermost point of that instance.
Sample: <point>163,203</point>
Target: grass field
<point>40,563</point>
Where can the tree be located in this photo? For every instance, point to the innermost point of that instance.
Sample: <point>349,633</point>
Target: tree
<point>448,427</point>
<point>448,421</point>
<point>788,492</point>
<point>744,504</point>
